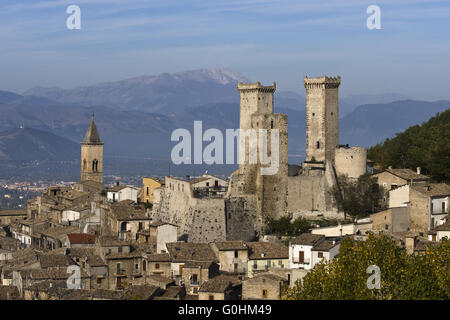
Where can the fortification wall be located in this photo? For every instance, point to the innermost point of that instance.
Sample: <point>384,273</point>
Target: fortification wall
<point>351,161</point>
<point>199,219</point>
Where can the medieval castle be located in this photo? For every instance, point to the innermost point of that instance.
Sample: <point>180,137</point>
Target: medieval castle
<point>240,212</point>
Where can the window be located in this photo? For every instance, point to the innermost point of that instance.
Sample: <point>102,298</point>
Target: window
<point>156,265</point>
<point>211,297</point>
<point>118,268</point>
<point>264,294</point>
<point>194,279</point>
<point>148,191</point>
<point>136,266</point>
<point>320,254</point>
<point>95,165</point>
<point>99,280</point>
<point>119,249</point>
<point>318,144</point>
<point>255,265</point>
<point>144,266</point>
<point>235,254</point>
<point>271,124</point>
<point>216,183</point>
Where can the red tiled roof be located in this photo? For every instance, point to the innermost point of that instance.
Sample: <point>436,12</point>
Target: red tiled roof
<point>81,238</point>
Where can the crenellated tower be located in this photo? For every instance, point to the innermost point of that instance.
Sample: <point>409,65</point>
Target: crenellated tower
<point>322,118</point>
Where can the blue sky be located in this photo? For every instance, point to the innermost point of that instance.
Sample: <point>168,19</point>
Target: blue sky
<point>266,40</point>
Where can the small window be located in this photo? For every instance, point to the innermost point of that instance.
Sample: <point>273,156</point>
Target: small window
<point>148,191</point>
<point>136,266</point>
<point>320,255</point>
<point>271,124</point>
<point>99,280</point>
<point>156,265</point>
<point>318,145</point>
<point>264,294</point>
<point>235,254</point>
<point>211,297</point>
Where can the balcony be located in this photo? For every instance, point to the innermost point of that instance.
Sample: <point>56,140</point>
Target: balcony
<point>120,273</point>
<point>304,261</point>
<point>194,283</point>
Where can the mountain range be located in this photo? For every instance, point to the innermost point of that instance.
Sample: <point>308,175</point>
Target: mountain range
<point>136,117</point>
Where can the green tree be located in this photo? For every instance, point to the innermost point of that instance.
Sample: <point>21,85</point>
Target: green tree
<point>403,276</point>
<point>357,198</point>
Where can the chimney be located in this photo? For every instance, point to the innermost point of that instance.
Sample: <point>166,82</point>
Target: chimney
<point>418,170</point>
<point>410,243</point>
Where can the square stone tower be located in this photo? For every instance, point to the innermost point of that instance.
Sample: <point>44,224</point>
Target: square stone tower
<point>255,197</point>
<point>322,118</point>
<point>92,155</point>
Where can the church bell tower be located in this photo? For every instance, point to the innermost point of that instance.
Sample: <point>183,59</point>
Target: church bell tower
<point>92,155</point>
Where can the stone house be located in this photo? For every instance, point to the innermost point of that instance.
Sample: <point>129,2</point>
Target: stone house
<point>232,255</point>
<point>264,286</point>
<point>149,184</point>
<point>391,179</point>
<point>121,193</point>
<point>125,220</point>
<point>9,216</point>
<point>27,230</point>
<point>308,249</point>
<point>222,287</point>
<point>182,252</point>
<point>440,232</point>
<point>55,237</point>
<point>80,240</point>
<point>262,256</point>
<point>195,273</point>
<point>426,202</point>
<point>157,264</point>
<point>394,220</point>
<point>123,268</point>
<point>161,233</point>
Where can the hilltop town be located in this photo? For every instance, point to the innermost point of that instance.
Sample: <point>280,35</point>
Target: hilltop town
<point>209,238</point>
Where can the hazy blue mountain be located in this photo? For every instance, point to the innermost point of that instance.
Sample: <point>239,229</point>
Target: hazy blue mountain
<point>351,102</point>
<point>165,93</point>
<point>7,96</point>
<point>25,144</point>
<point>373,123</point>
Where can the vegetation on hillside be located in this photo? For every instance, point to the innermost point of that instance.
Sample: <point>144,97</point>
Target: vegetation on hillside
<point>426,146</point>
<point>357,198</point>
<point>403,276</point>
<point>285,227</point>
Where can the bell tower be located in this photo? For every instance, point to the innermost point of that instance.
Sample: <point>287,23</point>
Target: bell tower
<point>92,155</point>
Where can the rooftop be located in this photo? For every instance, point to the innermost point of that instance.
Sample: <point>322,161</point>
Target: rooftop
<point>407,174</point>
<point>267,250</point>
<point>307,239</point>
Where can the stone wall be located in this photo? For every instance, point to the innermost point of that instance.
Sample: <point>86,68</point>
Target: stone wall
<point>351,162</point>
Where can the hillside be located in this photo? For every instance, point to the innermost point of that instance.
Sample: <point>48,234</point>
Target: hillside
<point>426,146</point>
<point>26,144</point>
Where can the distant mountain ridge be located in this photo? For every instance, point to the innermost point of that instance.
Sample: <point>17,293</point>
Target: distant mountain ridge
<point>135,117</point>
<point>26,144</point>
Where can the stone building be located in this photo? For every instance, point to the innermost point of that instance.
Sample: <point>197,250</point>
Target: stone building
<point>92,155</point>
<point>263,194</point>
<point>264,286</point>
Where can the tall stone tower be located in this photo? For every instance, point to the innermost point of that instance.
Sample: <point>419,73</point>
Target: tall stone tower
<point>256,196</point>
<point>92,155</point>
<point>322,118</point>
